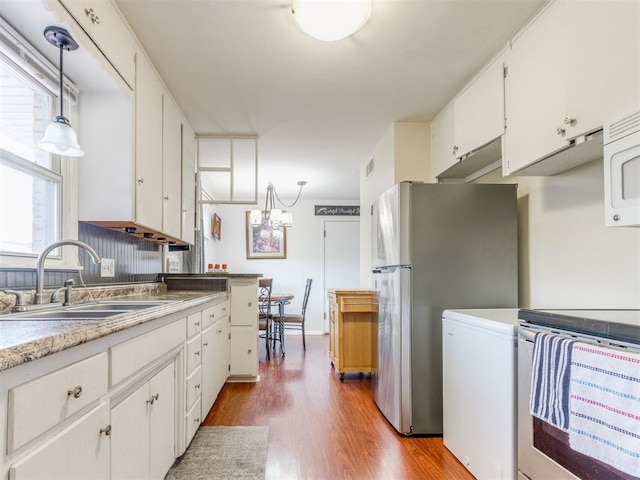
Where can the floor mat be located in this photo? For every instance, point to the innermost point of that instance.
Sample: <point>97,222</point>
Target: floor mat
<point>223,452</point>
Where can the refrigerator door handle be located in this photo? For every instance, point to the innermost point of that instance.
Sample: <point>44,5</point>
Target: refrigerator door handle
<point>389,268</point>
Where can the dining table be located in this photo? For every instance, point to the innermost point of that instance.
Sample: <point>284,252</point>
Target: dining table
<point>280,300</point>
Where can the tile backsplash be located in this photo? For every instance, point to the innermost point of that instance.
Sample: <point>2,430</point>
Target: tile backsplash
<point>136,261</point>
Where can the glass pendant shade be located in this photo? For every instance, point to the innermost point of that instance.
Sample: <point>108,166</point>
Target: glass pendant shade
<point>286,219</point>
<point>59,138</point>
<point>255,218</point>
<point>275,217</point>
<point>331,20</point>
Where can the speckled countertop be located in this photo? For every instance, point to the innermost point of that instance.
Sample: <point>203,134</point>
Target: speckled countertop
<point>24,341</point>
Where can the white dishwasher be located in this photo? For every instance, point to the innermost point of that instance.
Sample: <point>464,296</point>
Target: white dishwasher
<point>479,362</point>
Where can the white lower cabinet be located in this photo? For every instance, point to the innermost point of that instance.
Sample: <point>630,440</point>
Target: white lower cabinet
<point>80,451</point>
<point>215,362</point>
<point>143,429</point>
<point>120,407</point>
<point>243,344</point>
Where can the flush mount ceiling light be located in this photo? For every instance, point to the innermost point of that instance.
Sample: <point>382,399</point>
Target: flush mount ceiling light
<point>331,20</point>
<point>271,216</point>
<point>59,137</point>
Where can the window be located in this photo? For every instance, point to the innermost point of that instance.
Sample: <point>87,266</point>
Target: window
<point>29,177</point>
<point>33,190</point>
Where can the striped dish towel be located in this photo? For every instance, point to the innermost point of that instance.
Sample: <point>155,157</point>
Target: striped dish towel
<point>549,399</point>
<point>605,406</point>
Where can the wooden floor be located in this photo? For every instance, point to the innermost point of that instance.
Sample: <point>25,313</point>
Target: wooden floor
<point>320,428</point>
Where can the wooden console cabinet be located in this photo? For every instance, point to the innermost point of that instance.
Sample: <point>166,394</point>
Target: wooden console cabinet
<point>353,330</point>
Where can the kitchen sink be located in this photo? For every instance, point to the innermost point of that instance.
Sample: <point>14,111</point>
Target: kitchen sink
<point>121,306</point>
<point>90,311</point>
<point>64,315</point>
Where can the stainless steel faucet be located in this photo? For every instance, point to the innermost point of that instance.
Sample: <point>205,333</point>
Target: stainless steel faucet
<point>43,255</point>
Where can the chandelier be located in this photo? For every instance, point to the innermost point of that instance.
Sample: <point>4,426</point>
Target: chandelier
<point>272,218</point>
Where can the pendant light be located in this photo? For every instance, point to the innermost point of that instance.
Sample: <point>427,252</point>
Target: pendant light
<point>330,20</point>
<point>59,138</point>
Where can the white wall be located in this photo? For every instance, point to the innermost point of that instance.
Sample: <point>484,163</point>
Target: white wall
<point>304,253</point>
<point>567,257</point>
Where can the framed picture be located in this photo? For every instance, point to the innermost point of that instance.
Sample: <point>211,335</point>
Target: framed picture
<point>264,241</point>
<point>216,225</point>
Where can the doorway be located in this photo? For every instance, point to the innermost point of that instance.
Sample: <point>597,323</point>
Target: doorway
<point>340,259</point>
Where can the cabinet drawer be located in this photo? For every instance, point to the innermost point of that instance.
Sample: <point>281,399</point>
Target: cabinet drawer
<point>130,356</point>
<point>356,304</point>
<point>194,383</point>
<point>194,324</point>
<point>213,314</point>
<point>193,422</point>
<point>40,404</point>
<point>194,350</point>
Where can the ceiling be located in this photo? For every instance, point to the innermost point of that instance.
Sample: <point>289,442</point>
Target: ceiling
<point>318,108</point>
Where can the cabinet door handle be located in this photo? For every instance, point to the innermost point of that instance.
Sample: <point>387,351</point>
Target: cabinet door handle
<point>570,121</point>
<point>249,304</point>
<point>561,131</point>
<point>205,344</point>
<point>140,181</point>
<point>198,387</point>
<point>197,353</point>
<point>455,150</point>
<point>153,398</point>
<point>95,19</point>
<point>166,197</point>
<point>106,430</point>
<point>197,420</point>
<point>76,392</point>
<point>197,324</point>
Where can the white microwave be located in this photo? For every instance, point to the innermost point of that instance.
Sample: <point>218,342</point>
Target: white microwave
<point>622,172</point>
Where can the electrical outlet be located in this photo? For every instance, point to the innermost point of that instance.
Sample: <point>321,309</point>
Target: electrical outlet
<point>108,267</point>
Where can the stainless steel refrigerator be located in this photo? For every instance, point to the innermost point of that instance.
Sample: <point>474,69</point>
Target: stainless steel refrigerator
<point>435,247</point>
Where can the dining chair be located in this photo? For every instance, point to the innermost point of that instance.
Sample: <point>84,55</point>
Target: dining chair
<point>264,310</point>
<point>296,321</point>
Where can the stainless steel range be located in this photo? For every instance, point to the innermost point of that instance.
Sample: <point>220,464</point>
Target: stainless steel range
<point>543,450</point>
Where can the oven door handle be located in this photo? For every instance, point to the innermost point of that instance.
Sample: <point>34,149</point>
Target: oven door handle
<point>526,334</point>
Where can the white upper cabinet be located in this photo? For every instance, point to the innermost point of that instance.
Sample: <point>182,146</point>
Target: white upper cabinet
<point>102,22</point>
<point>171,168</point>
<point>574,68</point>
<point>443,151</point>
<point>603,62</point>
<point>479,109</point>
<point>474,119</point>
<point>188,183</point>
<point>148,125</point>
<point>535,90</point>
